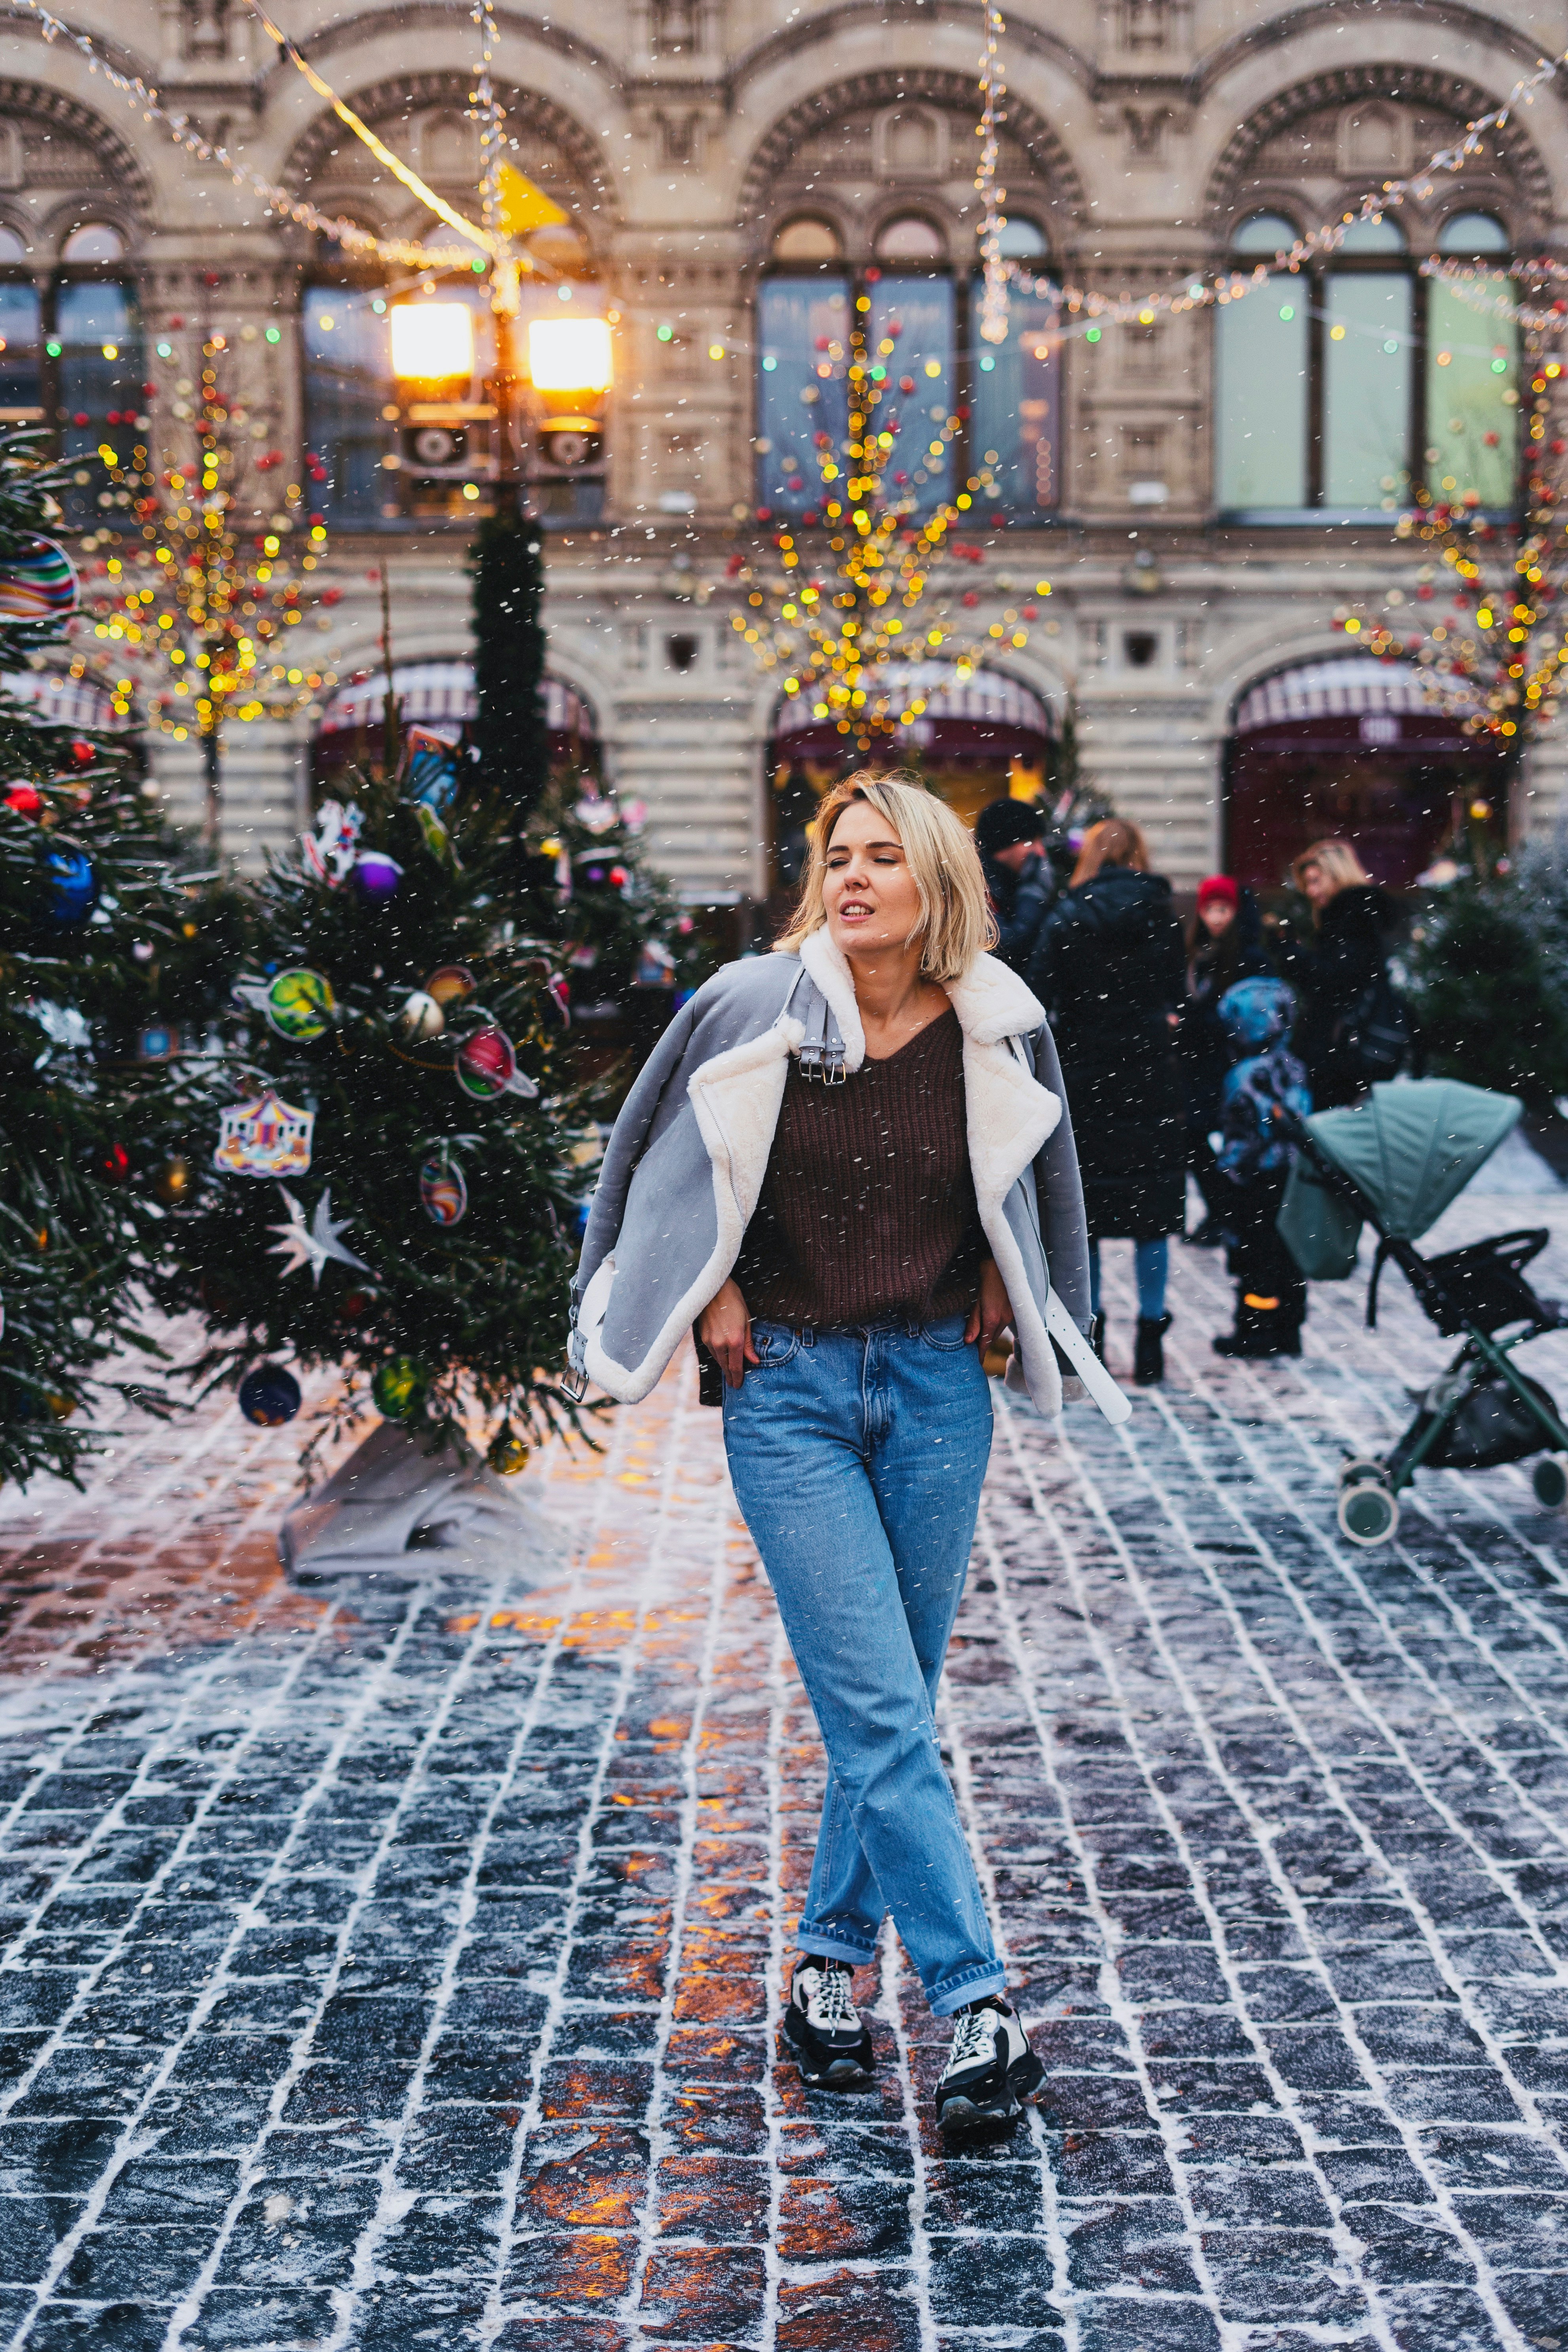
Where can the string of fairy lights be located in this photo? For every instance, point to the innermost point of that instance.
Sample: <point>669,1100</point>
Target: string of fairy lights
<point>1086,308</point>
<point>405,253</point>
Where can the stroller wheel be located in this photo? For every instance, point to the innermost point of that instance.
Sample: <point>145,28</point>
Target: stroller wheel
<point>1368,1513</point>
<point>1550,1480</point>
<point>1357,1468</point>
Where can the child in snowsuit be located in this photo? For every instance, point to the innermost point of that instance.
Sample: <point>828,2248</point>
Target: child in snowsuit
<point>1254,1160</point>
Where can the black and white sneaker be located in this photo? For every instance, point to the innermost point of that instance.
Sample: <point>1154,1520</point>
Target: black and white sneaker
<point>990,2071</point>
<point>824,2028</point>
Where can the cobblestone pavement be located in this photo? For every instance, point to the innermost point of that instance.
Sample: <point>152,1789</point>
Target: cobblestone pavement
<point>399,1964</point>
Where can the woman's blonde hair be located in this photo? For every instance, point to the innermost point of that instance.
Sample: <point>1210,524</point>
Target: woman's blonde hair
<point>956,922</point>
<point>1335,860</point>
<point>1112,842</point>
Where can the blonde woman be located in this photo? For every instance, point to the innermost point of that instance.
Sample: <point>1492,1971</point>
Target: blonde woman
<point>1351,1029</point>
<point>850,1162</point>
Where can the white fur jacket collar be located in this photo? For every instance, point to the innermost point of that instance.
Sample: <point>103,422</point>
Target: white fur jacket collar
<point>685,1164</point>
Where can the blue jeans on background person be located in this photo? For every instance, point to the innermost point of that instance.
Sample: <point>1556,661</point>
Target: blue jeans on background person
<point>856,1458</point>
<point>1151,1264</point>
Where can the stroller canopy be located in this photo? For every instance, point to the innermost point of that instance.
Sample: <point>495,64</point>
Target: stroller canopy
<point>1413,1147</point>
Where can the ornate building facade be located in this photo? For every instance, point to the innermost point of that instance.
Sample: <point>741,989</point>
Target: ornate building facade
<point>1204,493</point>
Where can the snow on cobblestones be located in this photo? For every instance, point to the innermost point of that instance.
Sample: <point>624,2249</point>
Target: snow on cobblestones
<point>398,1962</point>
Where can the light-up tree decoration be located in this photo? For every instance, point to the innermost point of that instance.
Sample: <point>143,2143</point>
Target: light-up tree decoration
<point>885,599</point>
<point>1486,629</point>
<point>203,575</point>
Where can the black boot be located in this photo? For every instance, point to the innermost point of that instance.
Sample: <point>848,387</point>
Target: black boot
<point>1149,1350</point>
<point>1259,1332</point>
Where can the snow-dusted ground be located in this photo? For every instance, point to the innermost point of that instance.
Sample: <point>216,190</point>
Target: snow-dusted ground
<point>399,1965</point>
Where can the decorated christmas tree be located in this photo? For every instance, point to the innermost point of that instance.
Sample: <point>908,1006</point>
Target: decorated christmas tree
<point>87,909</point>
<point>389,1188</point>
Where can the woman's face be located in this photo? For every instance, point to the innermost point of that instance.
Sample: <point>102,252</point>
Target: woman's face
<point>1316,887</point>
<point>867,890</point>
<point>1216,915</point>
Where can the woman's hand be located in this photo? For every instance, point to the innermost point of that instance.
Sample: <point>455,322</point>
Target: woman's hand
<point>725,1328</point>
<point>992,1311</point>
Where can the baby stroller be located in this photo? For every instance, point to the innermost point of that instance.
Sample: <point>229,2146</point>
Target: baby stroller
<point>1396,1163</point>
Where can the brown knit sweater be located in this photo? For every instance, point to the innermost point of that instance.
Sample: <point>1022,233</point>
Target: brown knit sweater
<point>867,1213</point>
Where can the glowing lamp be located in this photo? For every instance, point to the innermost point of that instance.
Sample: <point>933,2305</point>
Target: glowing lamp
<point>569,354</point>
<point>432,342</point>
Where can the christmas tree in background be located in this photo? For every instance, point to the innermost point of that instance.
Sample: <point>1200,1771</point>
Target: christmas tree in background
<point>389,1187</point>
<point>1484,630</point>
<point>87,909</point>
<point>621,934</point>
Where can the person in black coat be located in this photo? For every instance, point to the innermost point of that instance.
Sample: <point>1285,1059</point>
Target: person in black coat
<point>1341,971</point>
<point>1010,837</point>
<point>1224,946</point>
<point>1111,970</point>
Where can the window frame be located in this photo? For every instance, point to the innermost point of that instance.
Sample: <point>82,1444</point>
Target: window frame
<point>1314,275</point>
<point>861,273</point>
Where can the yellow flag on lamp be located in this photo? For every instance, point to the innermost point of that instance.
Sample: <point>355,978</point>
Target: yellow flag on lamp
<point>523,206</point>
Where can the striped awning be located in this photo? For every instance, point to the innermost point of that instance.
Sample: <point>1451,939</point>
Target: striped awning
<point>1356,687</point>
<point>435,690</point>
<point>70,701</point>
<point>989,698</point>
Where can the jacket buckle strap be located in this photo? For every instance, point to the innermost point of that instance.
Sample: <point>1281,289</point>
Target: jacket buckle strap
<point>822,1047</point>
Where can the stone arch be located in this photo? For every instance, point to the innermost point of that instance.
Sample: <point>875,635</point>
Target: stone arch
<point>114,177</point>
<point>531,118</point>
<point>1453,95</point>
<point>892,87</point>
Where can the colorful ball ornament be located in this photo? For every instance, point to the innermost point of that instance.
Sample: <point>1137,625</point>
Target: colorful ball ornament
<point>24,799</point>
<point>37,584</point>
<point>113,1164</point>
<point>443,1193</point>
<point>398,1388</point>
<point>75,891</point>
<point>421,1017</point>
<point>269,1396</point>
<point>376,877</point>
<point>299,1005</point>
<point>451,984</point>
<point>487,1067</point>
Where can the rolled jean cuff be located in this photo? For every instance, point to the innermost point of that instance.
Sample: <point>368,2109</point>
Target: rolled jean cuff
<point>975,1984</point>
<point>830,1944</point>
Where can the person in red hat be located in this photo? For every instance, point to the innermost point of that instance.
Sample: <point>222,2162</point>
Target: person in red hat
<point>1224,945</point>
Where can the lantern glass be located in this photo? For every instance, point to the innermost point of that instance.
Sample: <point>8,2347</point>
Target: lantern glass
<point>569,354</point>
<point>432,342</point>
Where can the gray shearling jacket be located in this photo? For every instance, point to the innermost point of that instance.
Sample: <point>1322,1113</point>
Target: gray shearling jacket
<point>684,1166</point>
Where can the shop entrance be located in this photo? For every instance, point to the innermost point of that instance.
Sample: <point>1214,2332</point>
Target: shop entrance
<point>1352,749</point>
<point>438,694</point>
<point>971,743</point>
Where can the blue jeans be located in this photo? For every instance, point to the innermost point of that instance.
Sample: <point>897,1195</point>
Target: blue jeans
<point>856,1458</point>
<point>1151,1262</point>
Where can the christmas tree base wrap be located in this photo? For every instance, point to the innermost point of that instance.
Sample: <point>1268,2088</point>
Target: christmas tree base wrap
<point>396,1505</point>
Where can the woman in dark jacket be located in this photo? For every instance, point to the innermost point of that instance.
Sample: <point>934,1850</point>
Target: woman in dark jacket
<point>1224,946</point>
<point>1112,974</point>
<point>1340,974</point>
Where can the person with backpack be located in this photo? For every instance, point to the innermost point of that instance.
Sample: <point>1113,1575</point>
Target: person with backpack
<point>1224,945</point>
<point>1352,1030</point>
<point>1253,1165</point>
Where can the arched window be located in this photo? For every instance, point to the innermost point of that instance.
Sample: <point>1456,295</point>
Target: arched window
<point>1352,384</point>
<point>1472,370</point>
<point>920,315</point>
